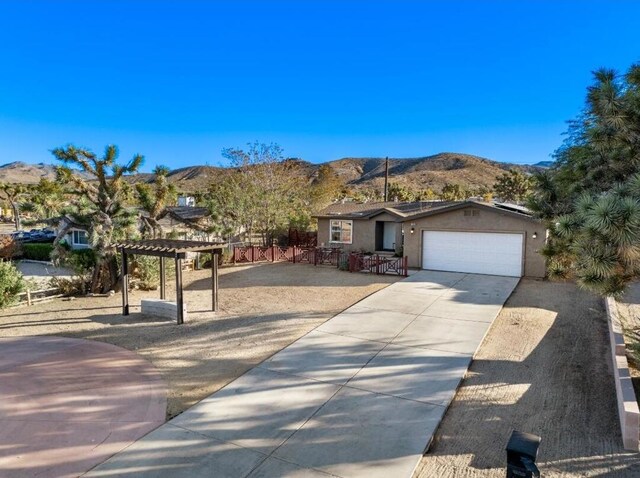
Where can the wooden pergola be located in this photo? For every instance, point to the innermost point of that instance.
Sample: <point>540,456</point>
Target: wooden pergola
<point>169,248</point>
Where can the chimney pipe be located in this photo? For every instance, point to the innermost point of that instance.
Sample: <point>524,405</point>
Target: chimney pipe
<point>386,179</point>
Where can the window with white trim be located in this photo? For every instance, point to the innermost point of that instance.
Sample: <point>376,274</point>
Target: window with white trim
<point>341,232</point>
<point>80,238</point>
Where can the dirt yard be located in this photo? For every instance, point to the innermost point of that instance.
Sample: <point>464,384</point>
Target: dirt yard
<point>543,368</point>
<point>264,308</point>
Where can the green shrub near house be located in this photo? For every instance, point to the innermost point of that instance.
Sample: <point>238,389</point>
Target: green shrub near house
<point>37,252</point>
<point>11,284</point>
<point>81,260</point>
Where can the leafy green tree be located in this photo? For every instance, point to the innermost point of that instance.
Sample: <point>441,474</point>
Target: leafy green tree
<point>513,186</point>
<point>326,187</point>
<point>590,199</point>
<point>98,204</point>
<point>13,194</point>
<point>454,192</point>
<point>154,199</point>
<point>261,192</point>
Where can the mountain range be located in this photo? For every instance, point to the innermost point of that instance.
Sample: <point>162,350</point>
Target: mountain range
<point>419,173</point>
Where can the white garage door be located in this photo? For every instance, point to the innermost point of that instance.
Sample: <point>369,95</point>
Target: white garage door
<point>475,252</point>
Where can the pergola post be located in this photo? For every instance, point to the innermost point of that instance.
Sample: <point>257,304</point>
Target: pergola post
<point>163,279</point>
<point>179,296</point>
<point>125,283</point>
<point>214,280</point>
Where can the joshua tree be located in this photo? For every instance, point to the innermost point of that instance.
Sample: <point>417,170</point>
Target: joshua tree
<point>154,200</point>
<point>12,193</point>
<point>98,205</point>
<point>45,200</point>
<point>591,198</point>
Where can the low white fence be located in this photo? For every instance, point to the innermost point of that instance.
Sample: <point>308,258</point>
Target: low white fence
<point>628,410</point>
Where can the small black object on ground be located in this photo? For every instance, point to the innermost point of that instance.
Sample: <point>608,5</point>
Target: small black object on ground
<point>522,451</point>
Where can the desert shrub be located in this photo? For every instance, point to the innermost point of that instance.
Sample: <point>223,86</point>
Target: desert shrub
<point>145,272</point>
<point>9,247</point>
<point>343,262</point>
<point>11,284</point>
<point>81,261</point>
<point>37,252</point>
<point>76,285</point>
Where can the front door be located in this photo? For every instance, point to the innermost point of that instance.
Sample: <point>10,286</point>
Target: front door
<point>389,236</point>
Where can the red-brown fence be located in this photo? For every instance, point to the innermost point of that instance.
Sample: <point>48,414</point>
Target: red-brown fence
<point>353,262</point>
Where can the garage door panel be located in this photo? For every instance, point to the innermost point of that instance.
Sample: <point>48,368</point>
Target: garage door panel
<point>473,252</point>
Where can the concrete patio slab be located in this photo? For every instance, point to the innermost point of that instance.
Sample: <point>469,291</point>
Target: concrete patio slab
<point>399,301</point>
<point>272,467</point>
<point>260,410</point>
<point>369,324</point>
<point>447,308</point>
<point>170,451</point>
<point>325,357</point>
<point>359,433</point>
<point>423,375</point>
<point>68,404</point>
<point>447,335</point>
<point>361,396</point>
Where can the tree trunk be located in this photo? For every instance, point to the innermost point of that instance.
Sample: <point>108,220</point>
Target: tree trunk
<point>95,279</point>
<point>16,215</point>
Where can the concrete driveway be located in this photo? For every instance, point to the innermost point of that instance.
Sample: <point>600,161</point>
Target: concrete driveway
<point>360,396</point>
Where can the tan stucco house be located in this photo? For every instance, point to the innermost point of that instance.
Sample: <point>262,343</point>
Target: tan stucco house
<point>461,236</point>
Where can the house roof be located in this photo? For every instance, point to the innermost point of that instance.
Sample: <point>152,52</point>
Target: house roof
<point>404,211</point>
<point>355,210</point>
<point>187,213</point>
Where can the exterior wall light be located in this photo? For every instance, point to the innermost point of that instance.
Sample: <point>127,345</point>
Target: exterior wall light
<point>534,235</point>
<point>413,227</point>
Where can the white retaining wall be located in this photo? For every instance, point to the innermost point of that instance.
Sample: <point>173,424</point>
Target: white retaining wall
<point>628,409</point>
<point>162,308</point>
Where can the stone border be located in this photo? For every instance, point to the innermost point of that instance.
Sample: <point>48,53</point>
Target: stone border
<point>628,409</point>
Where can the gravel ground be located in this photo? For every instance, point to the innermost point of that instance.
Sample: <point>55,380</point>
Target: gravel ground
<point>264,308</point>
<point>543,368</point>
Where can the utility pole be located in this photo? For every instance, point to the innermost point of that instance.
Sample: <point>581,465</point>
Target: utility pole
<point>386,179</point>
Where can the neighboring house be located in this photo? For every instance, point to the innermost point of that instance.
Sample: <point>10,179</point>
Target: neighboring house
<point>78,238</point>
<point>461,236</point>
<point>186,222</point>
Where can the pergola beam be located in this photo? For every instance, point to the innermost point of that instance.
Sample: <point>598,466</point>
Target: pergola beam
<point>177,250</point>
<point>125,284</point>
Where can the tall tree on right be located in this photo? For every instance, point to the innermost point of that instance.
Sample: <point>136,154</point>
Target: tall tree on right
<point>590,199</point>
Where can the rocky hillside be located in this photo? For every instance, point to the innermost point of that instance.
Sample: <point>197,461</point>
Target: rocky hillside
<point>419,173</point>
<point>426,172</point>
<point>19,172</point>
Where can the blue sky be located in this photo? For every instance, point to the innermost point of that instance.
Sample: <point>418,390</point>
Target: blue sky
<point>179,81</point>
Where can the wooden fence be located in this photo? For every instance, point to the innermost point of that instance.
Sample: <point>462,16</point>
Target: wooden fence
<point>353,262</point>
<point>30,297</point>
